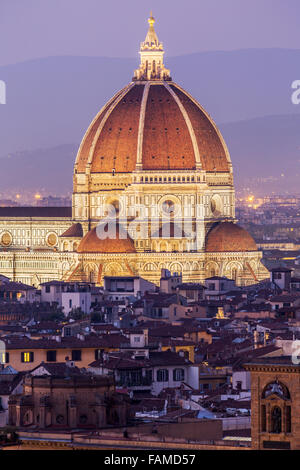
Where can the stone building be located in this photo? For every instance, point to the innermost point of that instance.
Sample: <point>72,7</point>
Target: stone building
<point>152,167</point>
<point>59,396</point>
<point>275,403</point>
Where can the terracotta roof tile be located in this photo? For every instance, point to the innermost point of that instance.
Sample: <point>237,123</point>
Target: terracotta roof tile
<point>227,236</point>
<point>74,231</point>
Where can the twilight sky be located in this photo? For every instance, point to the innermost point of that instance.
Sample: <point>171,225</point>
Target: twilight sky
<point>32,29</point>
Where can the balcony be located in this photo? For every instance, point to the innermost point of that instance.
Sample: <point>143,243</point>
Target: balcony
<point>134,382</point>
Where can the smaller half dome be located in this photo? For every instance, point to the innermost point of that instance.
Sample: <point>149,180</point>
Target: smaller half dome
<point>227,236</point>
<point>120,243</point>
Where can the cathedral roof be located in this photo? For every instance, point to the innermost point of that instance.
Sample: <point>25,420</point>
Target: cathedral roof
<point>227,236</point>
<point>119,242</point>
<point>74,231</point>
<point>45,212</point>
<point>152,124</point>
<point>156,124</point>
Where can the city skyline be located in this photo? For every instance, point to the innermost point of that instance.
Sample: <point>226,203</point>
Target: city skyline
<point>149,227</point>
<point>203,42</point>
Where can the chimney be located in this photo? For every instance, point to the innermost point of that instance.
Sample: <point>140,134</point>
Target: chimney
<point>256,339</point>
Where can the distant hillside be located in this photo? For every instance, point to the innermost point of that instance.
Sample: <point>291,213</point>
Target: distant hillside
<point>265,153</point>
<point>265,147</point>
<point>51,101</point>
<point>49,169</point>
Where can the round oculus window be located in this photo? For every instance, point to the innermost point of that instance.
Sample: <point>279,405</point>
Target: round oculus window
<point>51,239</point>
<point>6,239</point>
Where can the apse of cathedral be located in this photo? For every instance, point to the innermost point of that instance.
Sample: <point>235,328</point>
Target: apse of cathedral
<point>153,168</point>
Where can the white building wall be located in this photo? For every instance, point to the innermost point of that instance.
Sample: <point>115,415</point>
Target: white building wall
<point>54,295</point>
<point>241,376</point>
<point>193,377</point>
<point>157,387</point>
<point>73,300</point>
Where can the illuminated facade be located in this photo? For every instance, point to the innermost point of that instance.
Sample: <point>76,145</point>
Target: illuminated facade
<point>155,157</point>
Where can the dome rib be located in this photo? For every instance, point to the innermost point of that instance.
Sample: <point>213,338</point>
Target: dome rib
<point>167,142</point>
<point>88,138</point>
<point>188,124</point>
<point>139,157</point>
<point>215,145</point>
<point>100,130</point>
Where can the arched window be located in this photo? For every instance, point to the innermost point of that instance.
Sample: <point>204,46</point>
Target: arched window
<point>163,246</point>
<point>276,420</point>
<point>234,273</point>
<point>276,388</point>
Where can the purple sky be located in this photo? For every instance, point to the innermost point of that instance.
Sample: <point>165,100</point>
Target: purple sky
<point>39,28</point>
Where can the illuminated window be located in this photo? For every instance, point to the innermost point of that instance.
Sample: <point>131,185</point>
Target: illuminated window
<point>4,358</point>
<point>27,356</point>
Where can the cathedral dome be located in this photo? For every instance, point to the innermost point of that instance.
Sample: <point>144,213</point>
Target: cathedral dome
<point>227,236</point>
<point>121,243</point>
<point>156,125</point>
<point>152,124</point>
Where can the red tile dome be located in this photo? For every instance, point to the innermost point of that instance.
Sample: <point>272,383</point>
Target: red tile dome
<point>156,124</point>
<point>227,236</point>
<point>121,243</point>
